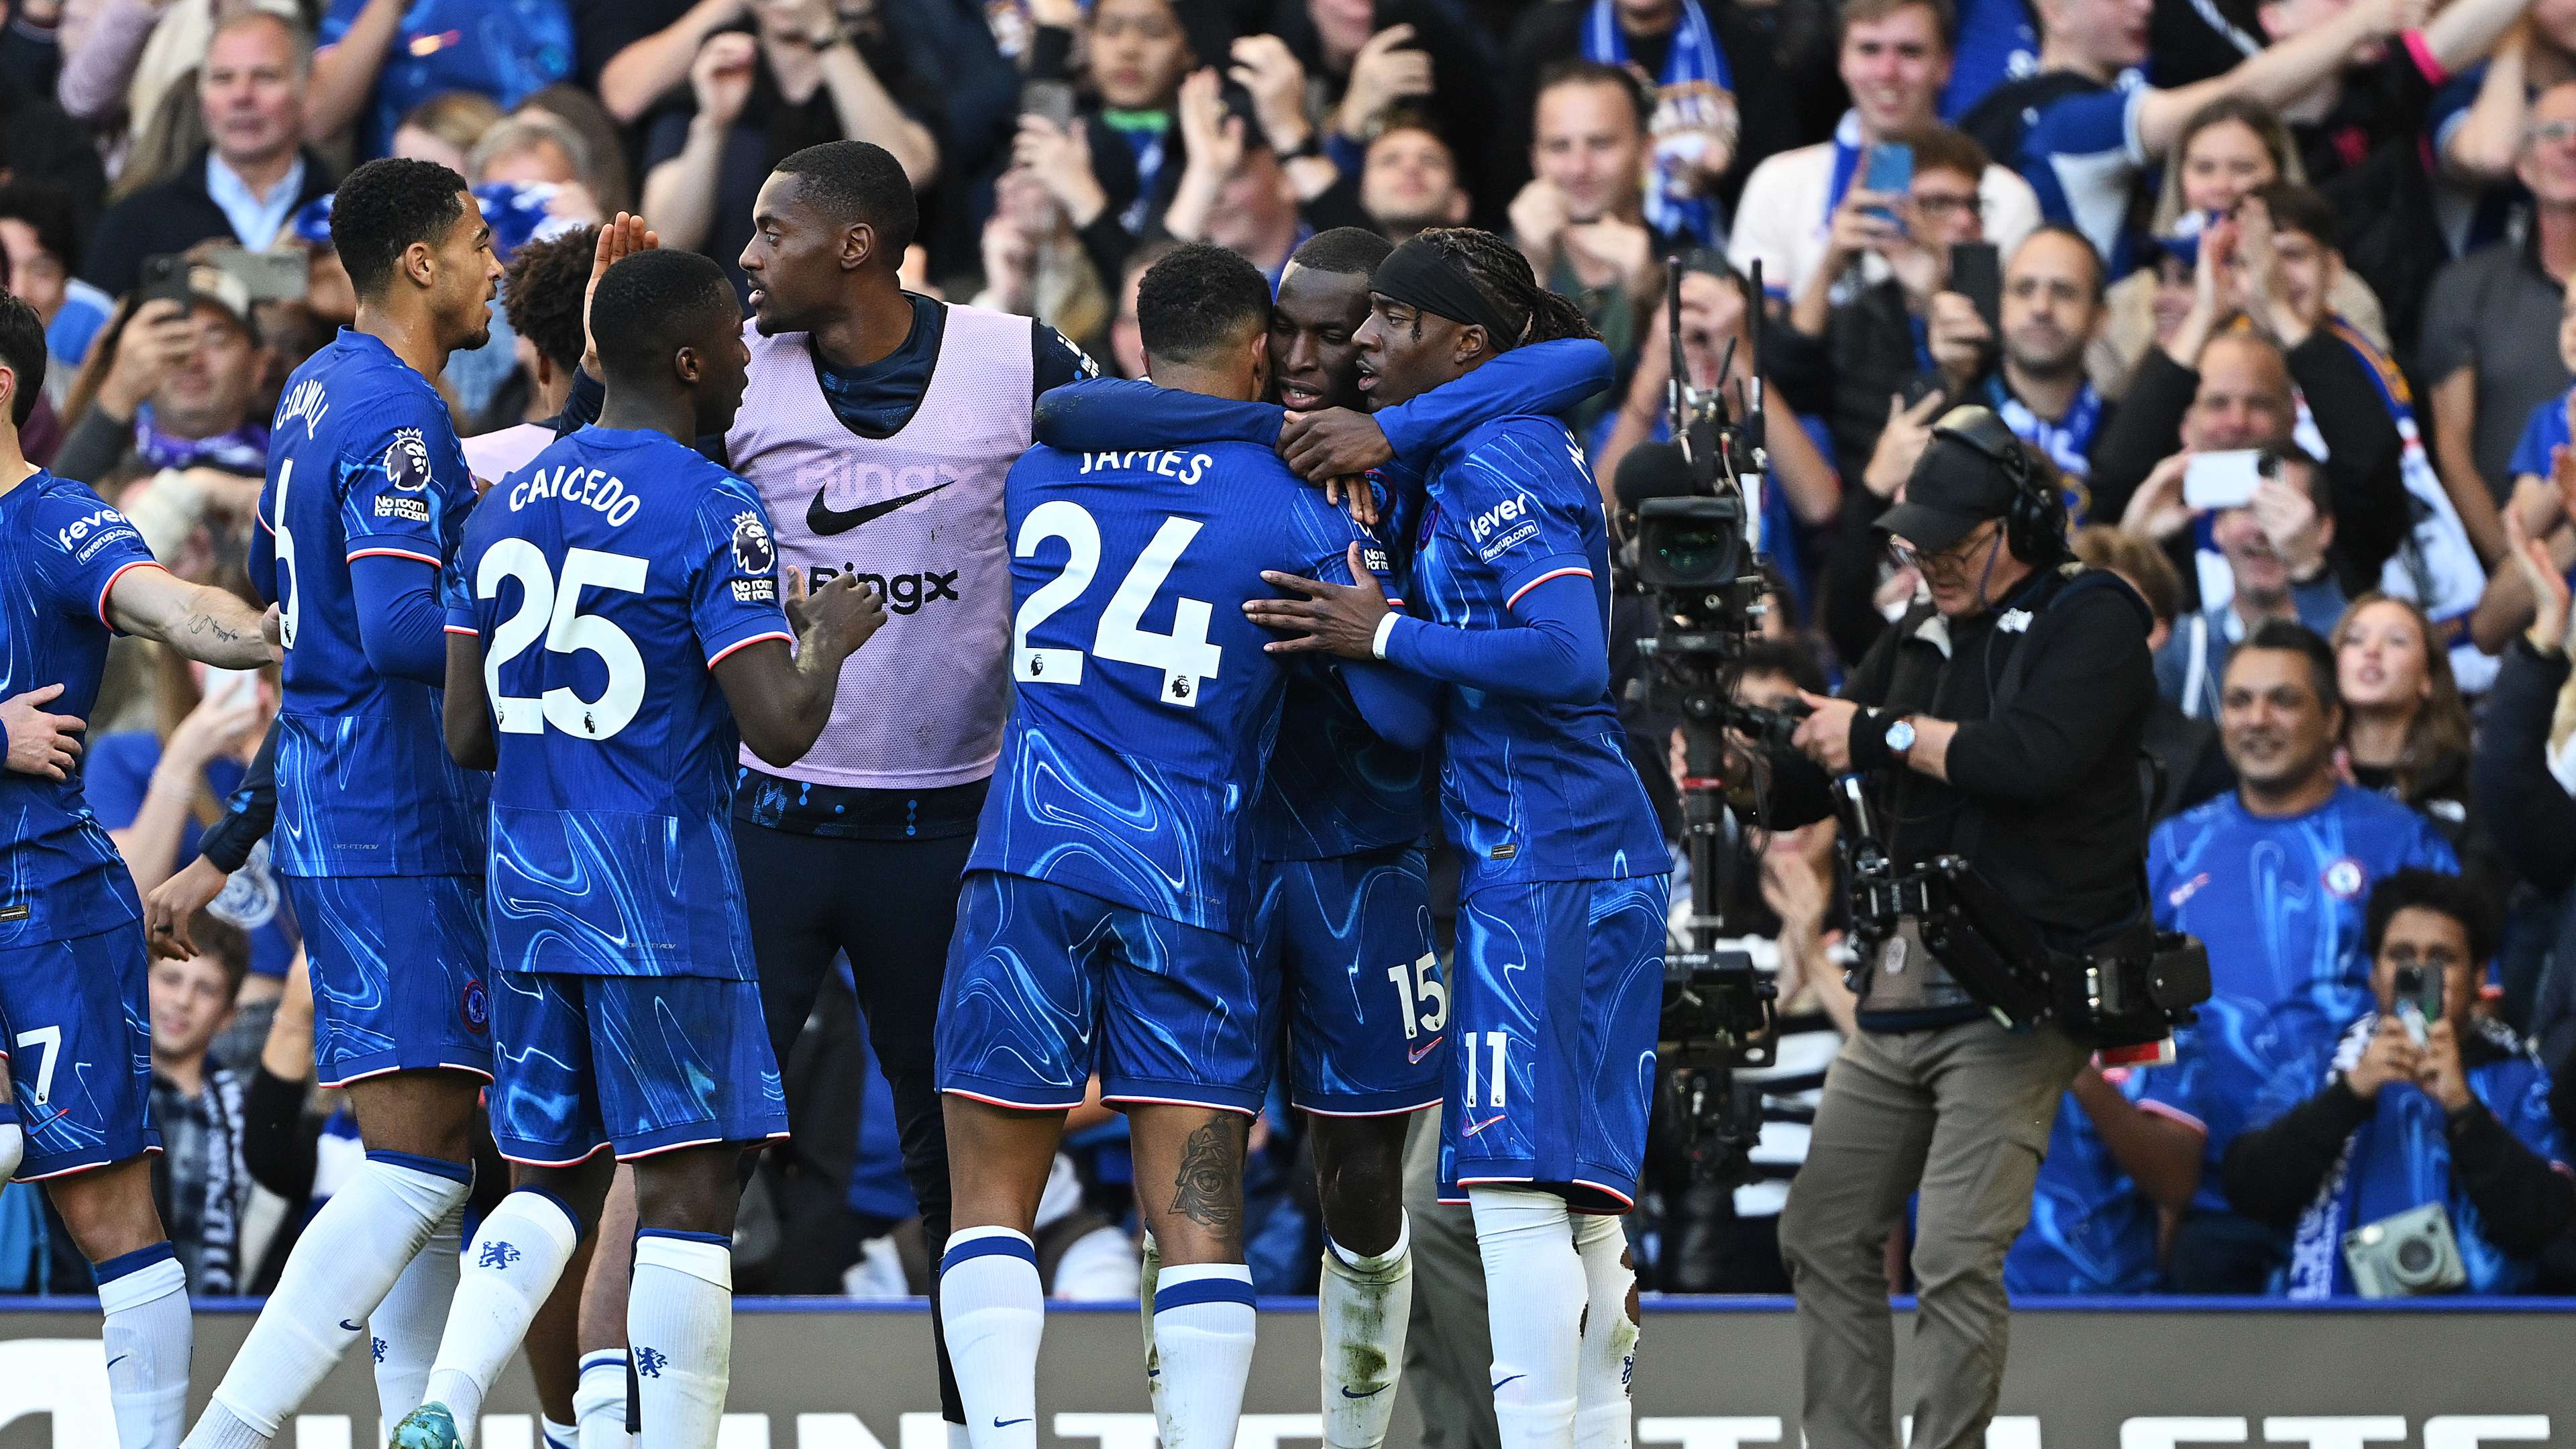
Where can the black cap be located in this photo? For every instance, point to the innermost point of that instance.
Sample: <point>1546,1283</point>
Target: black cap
<point>1954,487</point>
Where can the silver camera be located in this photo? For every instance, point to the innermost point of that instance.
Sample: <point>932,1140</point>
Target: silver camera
<point>2405,1254</point>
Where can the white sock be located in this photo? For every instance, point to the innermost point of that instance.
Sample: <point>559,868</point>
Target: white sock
<point>1534,1291</point>
<point>996,1313</point>
<point>13,1146</point>
<point>519,1253</point>
<point>599,1400</point>
<point>1608,1356</point>
<point>1149,1271</point>
<point>1203,1339</point>
<point>149,1337</point>
<point>403,1332</point>
<point>1363,1307</point>
<point>679,1328</point>
<point>342,1266</point>
<point>221,1428</point>
<point>558,1436</point>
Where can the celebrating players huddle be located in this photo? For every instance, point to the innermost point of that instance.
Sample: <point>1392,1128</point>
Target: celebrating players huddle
<point>527,743</point>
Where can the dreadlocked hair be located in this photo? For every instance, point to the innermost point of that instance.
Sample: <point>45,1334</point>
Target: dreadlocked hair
<point>1503,276</point>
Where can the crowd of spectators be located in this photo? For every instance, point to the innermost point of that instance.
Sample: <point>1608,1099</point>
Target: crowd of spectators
<point>2339,233</point>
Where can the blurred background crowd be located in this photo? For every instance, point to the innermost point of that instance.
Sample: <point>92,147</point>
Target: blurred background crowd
<point>2339,232</point>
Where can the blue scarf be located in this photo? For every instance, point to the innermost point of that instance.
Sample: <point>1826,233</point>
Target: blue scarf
<point>2068,442</point>
<point>1695,61</point>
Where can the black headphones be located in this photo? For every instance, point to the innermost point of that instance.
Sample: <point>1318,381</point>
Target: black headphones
<point>2035,518</point>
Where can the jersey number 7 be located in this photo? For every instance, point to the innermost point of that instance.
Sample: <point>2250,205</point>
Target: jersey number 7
<point>1185,656</point>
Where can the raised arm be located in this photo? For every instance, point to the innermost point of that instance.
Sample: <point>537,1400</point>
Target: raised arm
<point>344,72</point>
<point>1110,413</point>
<point>1542,379</point>
<point>200,621</point>
<point>2279,74</point>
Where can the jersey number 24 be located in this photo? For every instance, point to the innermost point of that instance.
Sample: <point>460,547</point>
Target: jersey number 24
<point>1184,655</point>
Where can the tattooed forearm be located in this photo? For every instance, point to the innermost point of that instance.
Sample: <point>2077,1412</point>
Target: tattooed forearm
<point>1208,1190</point>
<point>205,626</point>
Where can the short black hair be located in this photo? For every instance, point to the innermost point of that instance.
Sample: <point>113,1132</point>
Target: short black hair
<point>541,293</point>
<point>858,181</point>
<point>22,348</point>
<point>654,303</point>
<point>1343,251</point>
<point>46,208</point>
<point>2293,637</point>
<point>1791,659</point>
<point>1199,298</point>
<point>2303,209</point>
<point>2434,890</point>
<point>383,208</point>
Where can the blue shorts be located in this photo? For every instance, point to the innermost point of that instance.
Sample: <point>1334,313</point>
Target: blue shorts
<point>1560,984</point>
<point>641,1063</point>
<point>1048,985</point>
<point>371,1015</point>
<point>77,1033</point>
<point>1350,939</point>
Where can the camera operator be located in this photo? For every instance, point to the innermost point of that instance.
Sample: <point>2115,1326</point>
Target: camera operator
<point>1998,722</point>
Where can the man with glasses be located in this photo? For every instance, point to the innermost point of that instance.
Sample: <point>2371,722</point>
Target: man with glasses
<point>1894,58</point>
<point>1849,348</point>
<point>1998,720</point>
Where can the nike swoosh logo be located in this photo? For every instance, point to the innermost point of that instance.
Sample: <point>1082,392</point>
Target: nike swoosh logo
<point>1424,1050</point>
<point>122,1357</point>
<point>825,520</point>
<point>1498,1383</point>
<point>1475,1127</point>
<point>348,1327</point>
<point>1006,1423</point>
<point>1363,1394</point>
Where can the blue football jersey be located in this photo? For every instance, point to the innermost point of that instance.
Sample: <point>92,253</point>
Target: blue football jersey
<point>1145,705</point>
<point>1533,790</point>
<point>2280,905</point>
<point>606,579</point>
<point>362,462</point>
<point>61,547</point>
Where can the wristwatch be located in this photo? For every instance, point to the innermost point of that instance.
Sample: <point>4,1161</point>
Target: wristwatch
<point>1900,736</point>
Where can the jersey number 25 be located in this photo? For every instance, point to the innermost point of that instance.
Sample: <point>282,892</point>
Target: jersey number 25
<point>1185,656</point>
<point>552,609</point>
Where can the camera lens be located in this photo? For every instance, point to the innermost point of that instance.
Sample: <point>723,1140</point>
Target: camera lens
<point>2415,1259</point>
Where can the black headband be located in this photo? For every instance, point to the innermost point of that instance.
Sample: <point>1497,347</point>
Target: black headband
<point>1422,276</point>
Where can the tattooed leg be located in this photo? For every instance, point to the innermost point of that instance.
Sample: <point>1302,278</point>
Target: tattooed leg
<point>1189,1180</point>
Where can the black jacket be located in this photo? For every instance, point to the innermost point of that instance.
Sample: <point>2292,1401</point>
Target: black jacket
<point>172,216</point>
<point>2044,798</point>
<point>2372,510</point>
<point>2272,1172</point>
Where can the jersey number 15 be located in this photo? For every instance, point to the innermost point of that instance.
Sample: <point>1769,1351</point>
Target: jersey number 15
<point>1185,656</point>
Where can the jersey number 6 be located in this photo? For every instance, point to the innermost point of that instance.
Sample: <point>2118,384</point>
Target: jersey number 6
<point>1185,656</point>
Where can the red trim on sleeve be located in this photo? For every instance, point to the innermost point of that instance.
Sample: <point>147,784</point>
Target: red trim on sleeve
<point>453,629</point>
<point>393,553</point>
<point>110,586</point>
<point>747,643</point>
<point>1565,573</point>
